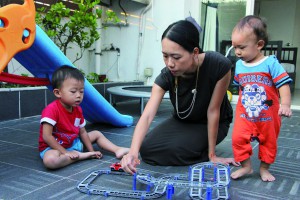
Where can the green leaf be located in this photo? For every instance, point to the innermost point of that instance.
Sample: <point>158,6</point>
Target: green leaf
<point>79,27</point>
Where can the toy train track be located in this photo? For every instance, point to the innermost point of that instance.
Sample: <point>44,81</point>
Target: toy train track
<point>204,181</point>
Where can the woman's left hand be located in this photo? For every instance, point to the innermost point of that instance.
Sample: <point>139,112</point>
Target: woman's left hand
<point>226,161</point>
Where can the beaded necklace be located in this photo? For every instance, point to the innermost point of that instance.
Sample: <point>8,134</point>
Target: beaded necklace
<point>181,114</point>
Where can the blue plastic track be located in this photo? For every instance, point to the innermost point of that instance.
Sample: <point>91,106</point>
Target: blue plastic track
<point>44,57</point>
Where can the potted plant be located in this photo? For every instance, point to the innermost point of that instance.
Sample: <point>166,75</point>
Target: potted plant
<point>79,26</point>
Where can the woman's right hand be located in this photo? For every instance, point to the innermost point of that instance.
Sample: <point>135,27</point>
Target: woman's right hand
<point>129,163</point>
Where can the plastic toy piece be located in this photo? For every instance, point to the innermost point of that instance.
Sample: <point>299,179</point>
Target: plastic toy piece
<point>87,186</point>
<point>43,57</point>
<point>12,78</point>
<point>17,30</point>
<point>204,181</point>
<point>116,167</point>
<point>170,191</point>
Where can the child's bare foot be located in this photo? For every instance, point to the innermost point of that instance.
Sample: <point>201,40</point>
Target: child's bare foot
<point>266,175</point>
<point>246,169</point>
<point>86,155</point>
<point>241,172</point>
<point>121,151</point>
<point>264,172</point>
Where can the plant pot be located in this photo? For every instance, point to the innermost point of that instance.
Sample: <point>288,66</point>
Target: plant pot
<point>102,77</point>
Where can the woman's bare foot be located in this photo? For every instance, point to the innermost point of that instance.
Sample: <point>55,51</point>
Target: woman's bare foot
<point>121,151</point>
<point>241,172</point>
<point>264,172</point>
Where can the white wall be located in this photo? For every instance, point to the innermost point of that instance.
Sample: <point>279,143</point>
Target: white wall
<point>131,61</point>
<point>296,42</point>
<point>283,24</point>
<point>158,17</point>
<point>162,13</point>
<point>278,24</point>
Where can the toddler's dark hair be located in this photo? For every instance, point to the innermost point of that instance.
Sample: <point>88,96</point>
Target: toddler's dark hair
<point>258,26</point>
<point>183,33</point>
<point>63,73</point>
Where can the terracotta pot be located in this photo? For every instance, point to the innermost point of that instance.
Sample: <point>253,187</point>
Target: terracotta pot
<point>102,77</point>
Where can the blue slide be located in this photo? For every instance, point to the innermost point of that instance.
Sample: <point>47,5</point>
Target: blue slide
<point>44,57</point>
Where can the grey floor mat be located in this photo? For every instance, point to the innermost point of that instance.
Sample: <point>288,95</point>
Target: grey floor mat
<point>23,176</point>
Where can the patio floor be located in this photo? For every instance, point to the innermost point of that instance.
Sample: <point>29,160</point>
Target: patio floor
<point>23,176</point>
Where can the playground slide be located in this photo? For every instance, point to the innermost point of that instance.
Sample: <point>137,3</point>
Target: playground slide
<point>43,57</point>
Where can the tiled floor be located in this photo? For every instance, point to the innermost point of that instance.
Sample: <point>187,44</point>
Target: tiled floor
<point>296,97</point>
<point>23,177</point>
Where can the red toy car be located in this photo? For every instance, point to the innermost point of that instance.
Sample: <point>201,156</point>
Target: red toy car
<point>116,167</point>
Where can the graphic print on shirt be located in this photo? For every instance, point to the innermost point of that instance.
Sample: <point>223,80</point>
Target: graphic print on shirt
<point>253,99</point>
<point>63,138</point>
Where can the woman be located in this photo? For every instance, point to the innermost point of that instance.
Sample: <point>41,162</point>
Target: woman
<point>197,83</point>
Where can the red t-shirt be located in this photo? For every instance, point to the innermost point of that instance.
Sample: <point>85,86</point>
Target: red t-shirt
<point>66,125</point>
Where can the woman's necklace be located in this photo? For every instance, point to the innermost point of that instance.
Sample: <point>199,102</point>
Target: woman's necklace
<point>181,114</point>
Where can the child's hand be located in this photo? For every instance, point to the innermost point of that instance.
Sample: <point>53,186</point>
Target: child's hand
<point>72,154</point>
<point>96,154</point>
<point>285,110</point>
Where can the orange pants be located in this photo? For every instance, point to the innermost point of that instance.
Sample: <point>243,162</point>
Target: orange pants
<point>264,130</point>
